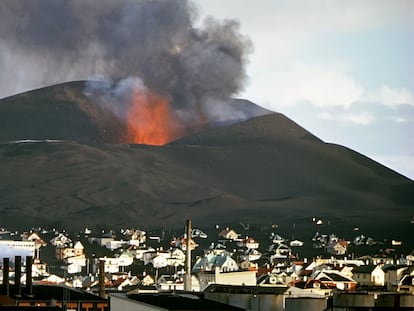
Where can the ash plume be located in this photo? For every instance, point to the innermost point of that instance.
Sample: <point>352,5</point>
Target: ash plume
<point>155,41</point>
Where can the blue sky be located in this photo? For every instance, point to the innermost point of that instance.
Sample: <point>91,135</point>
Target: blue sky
<point>343,70</point>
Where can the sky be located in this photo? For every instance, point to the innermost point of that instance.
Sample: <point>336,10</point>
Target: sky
<point>343,70</point>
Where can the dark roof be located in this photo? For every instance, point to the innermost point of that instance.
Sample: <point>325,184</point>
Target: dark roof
<point>336,277</point>
<point>58,292</point>
<point>364,269</point>
<point>233,289</point>
<point>181,302</point>
<point>309,284</point>
<point>386,268</point>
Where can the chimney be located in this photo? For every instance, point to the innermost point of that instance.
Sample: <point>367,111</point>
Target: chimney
<point>6,284</point>
<point>102,278</point>
<point>187,282</point>
<point>29,282</point>
<point>17,276</point>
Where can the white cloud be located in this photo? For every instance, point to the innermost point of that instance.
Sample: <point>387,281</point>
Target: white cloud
<point>391,96</point>
<point>325,115</point>
<point>399,120</point>
<point>363,118</point>
<point>322,86</point>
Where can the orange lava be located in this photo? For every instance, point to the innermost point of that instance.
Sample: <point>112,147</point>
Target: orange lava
<point>150,120</point>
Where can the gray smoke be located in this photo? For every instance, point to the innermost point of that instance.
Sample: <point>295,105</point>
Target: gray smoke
<point>50,41</point>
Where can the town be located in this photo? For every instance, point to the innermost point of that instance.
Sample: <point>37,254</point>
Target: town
<point>238,267</point>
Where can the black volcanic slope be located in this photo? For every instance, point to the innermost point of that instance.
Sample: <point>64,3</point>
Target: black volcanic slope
<point>57,112</point>
<point>263,170</point>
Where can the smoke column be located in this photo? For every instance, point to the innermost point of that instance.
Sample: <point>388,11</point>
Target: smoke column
<point>154,42</point>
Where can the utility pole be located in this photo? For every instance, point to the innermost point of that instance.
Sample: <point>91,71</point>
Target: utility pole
<point>187,281</point>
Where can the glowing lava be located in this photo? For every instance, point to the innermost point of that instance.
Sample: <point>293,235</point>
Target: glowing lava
<point>150,120</point>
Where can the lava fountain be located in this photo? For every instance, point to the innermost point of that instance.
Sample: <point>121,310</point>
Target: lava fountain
<point>150,120</point>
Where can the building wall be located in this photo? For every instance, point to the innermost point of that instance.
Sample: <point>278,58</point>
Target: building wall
<point>308,304</point>
<point>266,302</point>
<point>236,278</point>
<point>247,278</point>
<point>9,249</point>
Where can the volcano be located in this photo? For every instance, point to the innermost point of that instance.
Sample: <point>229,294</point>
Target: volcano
<point>65,163</point>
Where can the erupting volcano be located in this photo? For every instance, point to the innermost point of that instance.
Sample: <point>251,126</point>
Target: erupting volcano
<point>150,120</point>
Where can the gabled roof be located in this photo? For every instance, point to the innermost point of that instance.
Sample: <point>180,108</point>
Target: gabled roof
<point>390,267</point>
<point>364,269</point>
<point>333,276</point>
<point>78,245</point>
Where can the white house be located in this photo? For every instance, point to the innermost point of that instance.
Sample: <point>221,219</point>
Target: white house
<point>60,240</point>
<point>296,243</point>
<point>139,252</point>
<point>378,276</point>
<point>181,242</point>
<point>148,257</point>
<point>245,278</point>
<point>248,242</point>
<point>335,279</point>
<point>210,262</point>
<point>229,234</point>
<point>75,264</point>
<point>337,247</point>
<point>393,275</point>
<point>112,264</point>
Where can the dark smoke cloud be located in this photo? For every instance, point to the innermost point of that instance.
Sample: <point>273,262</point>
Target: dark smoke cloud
<point>50,41</point>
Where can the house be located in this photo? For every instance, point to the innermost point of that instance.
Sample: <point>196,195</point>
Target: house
<point>159,261</point>
<point>39,268</point>
<point>280,251</point>
<point>335,279</point>
<point>240,278</point>
<point>249,243</point>
<point>310,288</point>
<point>338,247</point>
<point>78,249</point>
<point>34,237</point>
<point>63,252</point>
<point>181,242</point>
<point>296,243</point>
<point>148,257</point>
<point>277,239</point>
<point>378,276</point>
<point>393,275</point>
<point>139,252</point>
<point>113,264</point>
<point>406,284</point>
<point>147,280</point>
<point>275,279</point>
<point>248,265</point>
<point>176,283</point>
<point>218,249</point>
<point>60,240</point>
<point>75,264</point>
<point>177,258</point>
<point>229,234</point>
<point>364,275</point>
<point>251,254</point>
<point>137,237</point>
<point>210,262</point>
